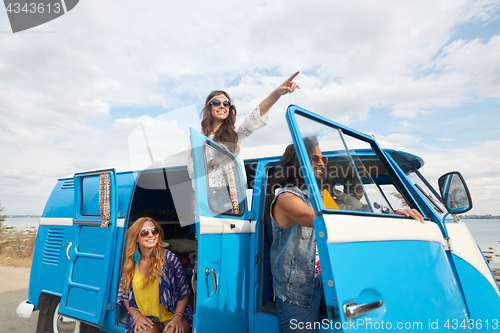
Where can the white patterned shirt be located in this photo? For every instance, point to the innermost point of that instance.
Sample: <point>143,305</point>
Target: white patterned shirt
<point>252,122</point>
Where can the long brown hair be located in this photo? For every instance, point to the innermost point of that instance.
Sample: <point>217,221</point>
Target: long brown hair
<point>226,133</point>
<point>131,247</point>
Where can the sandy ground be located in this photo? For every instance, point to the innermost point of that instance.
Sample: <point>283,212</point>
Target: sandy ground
<point>14,278</point>
<point>14,290</point>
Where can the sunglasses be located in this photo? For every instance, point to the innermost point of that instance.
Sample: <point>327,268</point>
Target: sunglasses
<point>216,102</point>
<point>315,158</point>
<point>145,232</point>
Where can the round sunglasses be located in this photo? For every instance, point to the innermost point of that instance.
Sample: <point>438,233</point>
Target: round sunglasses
<point>145,232</point>
<point>216,102</point>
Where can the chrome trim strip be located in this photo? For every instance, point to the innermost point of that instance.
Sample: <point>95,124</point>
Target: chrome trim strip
<point>91,222</point>
<point>63,221</point>
<point>217,225</point>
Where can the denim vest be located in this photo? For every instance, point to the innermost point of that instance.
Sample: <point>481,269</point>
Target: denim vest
<point>293,254</point>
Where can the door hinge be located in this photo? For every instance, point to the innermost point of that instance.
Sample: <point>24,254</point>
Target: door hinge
<point>110,306</point>
<point>121,214</point>
<point>332,313</point>
<point>448,245</point>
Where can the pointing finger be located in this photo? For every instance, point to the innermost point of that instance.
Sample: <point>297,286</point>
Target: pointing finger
<point>293,76</point>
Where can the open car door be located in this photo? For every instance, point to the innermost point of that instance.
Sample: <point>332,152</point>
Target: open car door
<point>91,254</point>
<point>380,270</point>
<point>223,238</point>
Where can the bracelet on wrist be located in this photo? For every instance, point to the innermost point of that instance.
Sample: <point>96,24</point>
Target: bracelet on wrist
<point>180,314</point>
<point>137,314</point>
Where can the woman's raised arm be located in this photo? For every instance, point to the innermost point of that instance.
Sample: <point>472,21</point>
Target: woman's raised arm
<point>286,87</point>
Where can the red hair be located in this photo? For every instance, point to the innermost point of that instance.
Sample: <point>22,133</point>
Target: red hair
<point>131,247</point>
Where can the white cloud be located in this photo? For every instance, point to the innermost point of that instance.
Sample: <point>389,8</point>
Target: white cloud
<point>479,165</point>
<point>58,90</point>
<point>127,125</point>
<point>480,10</point>
<point>399,139</point>
<point>406,124</point>
<point>494,145</point>
<point>446,139</point>
<point>476,62</point>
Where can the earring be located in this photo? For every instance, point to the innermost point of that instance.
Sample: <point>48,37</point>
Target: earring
<point>137,256</point>
<point>154,253</point>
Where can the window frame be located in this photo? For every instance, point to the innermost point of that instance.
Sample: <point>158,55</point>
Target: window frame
<point>391,167</point>
<point>238,176</point>
<point>82,194</point>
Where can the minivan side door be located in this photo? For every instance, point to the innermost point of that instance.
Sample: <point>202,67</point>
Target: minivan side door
<point>223,234</point>
<point>379,270</point>
<point>91,253</point>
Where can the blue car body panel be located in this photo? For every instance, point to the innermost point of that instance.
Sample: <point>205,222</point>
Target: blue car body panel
<point>223,270</point>
<point>483,300</point>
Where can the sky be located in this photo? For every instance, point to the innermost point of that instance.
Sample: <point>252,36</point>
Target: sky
<point>421,74</point>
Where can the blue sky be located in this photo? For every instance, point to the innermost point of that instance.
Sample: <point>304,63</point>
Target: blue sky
<point>424,75</point>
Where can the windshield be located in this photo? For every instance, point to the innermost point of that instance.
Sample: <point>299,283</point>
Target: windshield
<point>353,173</point>
<point>423,187</point>
<point>427,192</point>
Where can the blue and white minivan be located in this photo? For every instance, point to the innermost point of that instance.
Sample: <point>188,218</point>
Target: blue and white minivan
<point>379,270</point>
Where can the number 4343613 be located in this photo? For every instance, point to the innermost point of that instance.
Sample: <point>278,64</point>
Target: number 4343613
<point>33,8</point>
<point>477,324</point>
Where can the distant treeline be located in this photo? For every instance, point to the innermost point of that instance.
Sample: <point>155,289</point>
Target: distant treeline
<point>489,216</point>
<point>23,216</point>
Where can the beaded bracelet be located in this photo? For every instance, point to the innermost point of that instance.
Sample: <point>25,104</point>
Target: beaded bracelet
<point>181,314</point>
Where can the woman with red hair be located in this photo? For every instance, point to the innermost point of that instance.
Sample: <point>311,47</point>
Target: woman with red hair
<point>153,288</point>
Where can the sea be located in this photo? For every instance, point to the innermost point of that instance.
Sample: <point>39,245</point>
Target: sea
<point>486,232</point>
<point>22,223</point>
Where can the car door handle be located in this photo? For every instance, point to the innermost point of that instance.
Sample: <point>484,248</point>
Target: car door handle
<point>67,250</point>
<point>214,280</point>
<point>353,310</point>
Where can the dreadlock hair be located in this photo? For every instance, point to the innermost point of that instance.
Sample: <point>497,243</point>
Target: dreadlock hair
<point>289,171</point>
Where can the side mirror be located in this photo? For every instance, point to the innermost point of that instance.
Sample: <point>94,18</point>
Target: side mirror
<point>455,194</point>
